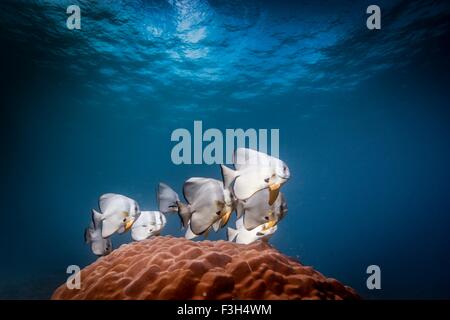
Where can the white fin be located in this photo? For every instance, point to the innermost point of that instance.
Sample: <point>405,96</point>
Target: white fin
<point>228,175</point>
<point>195,187</point>
<point>240,223</point>
<point>239,209</point>
<point>216,225</point>
<point>250,182</point>
<point>167,198</point>
<point>97,218</point>
<point>112,224</point>
<point>189,234</point>
<point>105,200</point>
<point>244,157</point>
<point>232,233</point>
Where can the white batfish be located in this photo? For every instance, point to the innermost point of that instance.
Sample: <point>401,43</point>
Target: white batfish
<point>149,223</point>
<point>255,171</point>
<point>244,236</point>
<point>99,245</point>
<point>117,213</point>
<point>257,211</point>
<point>209,204</point>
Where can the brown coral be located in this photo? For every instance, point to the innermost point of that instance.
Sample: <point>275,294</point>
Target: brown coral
<point>176,268</point>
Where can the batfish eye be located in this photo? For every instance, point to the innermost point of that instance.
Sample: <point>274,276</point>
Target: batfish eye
<point>218,212</point>
<point>267,218</point>
<point>124,219</point>
<point>266,180</point>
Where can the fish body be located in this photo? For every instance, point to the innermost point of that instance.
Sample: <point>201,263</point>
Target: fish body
<point>255,171</point>
<point>208,205</point>
<point>257,211</point>
<point>99,245</point>
<point>148,224</point>
<point>117,213</point>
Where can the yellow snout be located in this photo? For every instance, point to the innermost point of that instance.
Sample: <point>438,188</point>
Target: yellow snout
<point>226,217</point>
<point>128,224</point>
<point>269,225</point>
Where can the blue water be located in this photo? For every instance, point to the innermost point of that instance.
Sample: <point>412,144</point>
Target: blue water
<point>364,121</point>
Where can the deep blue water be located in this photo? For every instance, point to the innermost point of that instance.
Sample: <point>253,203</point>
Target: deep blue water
<point>364,121</point>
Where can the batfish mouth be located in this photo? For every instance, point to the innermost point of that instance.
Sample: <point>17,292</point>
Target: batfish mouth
<point>128,224</point>
<point>284,177</point>
<point>269,225</point>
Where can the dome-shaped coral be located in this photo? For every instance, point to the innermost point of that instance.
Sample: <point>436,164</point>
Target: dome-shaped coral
<point>176,268</point>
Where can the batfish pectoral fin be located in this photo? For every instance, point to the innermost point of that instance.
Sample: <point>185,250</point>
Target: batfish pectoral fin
<point>216,225</point>
<point>225,218</point>
<point>110,226</point>
<point>129,224</point>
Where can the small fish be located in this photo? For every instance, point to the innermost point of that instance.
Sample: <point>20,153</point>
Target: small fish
<point>255,171</point>
<point>118,213</point>
<point>244,236</point>
<point>209,204</point>
<point>256,210</point>
<point>99,245</point>
<point>149,223</point>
